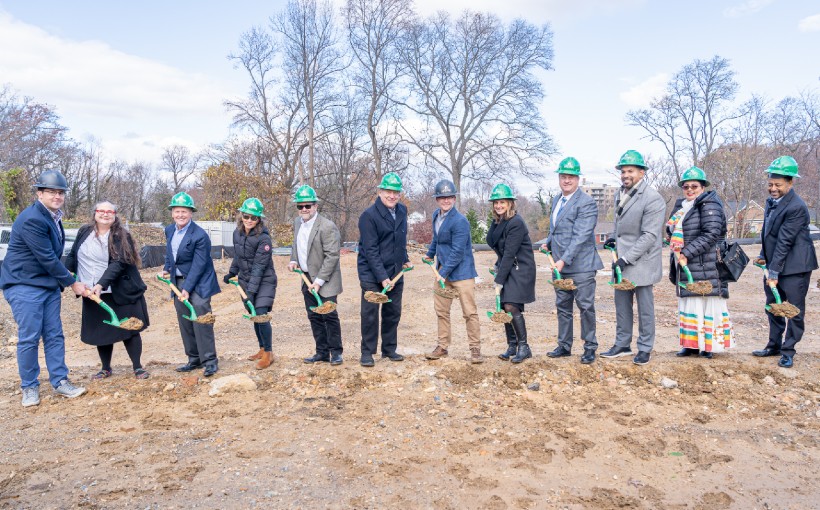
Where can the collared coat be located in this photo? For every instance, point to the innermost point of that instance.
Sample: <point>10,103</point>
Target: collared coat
<point>572,236</point>
<point>515,265</point>
<point>193,260</point>
<point>787,247</point>
<point>452,247</point>
<point>253,263</point>
<point>324,244</point>
<point>638,231</point>
<point>382,243</point>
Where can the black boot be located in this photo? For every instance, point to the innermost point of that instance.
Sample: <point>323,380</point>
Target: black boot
<point>520,328</point>
<point>512,343</point>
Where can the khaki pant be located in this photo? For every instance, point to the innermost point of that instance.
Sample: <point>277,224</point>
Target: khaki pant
<point>466,295</point>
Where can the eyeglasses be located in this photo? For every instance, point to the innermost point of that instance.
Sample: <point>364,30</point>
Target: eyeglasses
<point>54,192</point>
<point>250,217</point>
<point>105,211</point>
<point>688,187</point>
<point>304,206</point>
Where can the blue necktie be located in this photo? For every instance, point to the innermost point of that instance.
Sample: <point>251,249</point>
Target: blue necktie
<point>560,207</point>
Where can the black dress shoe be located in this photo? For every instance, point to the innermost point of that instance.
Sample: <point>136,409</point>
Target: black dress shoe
<point>786,361</point>
<point>642,358</point>
<point>705,354</point>
<point>188,367</point>
<point>318,358</point>
<point>393,356</point>
<point>763,353</point>
<point>686,352</point>
<point>558,352</point>
<point>367,361</point>
<point>336,359</point>
<point>210,370</point>
<point>615,352</point>
<point>588,357</point>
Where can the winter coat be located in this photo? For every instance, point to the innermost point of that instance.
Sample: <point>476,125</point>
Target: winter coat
<point>515,266</point>
<point>253,264</point>
<point>704,229</point>
<point>382,243</point>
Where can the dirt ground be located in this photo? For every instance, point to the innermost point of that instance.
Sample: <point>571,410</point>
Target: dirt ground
<point>737,432</point>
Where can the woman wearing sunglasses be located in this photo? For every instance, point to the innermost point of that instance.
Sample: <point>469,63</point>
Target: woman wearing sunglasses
<point>105,258</point>
<point>253,264</point>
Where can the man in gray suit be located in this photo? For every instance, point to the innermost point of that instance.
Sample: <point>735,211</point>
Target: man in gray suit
<point>316,245</point>
<point>572,242</point>
<point>639,217</point>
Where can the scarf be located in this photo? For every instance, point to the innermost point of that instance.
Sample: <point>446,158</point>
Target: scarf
<point>625,198</point>
<point>676,224</point>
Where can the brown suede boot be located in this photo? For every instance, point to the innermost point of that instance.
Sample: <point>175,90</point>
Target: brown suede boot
<point>265,361</point>
<point>438,353</point>
<point>257,356</point>
<point>475,355</point>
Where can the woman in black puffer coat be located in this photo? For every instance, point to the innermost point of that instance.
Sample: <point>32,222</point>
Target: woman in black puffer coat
<point>253,263</point>
<point>695,230</point>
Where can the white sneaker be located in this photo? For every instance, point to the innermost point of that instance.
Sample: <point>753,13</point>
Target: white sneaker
<point>68,390</point>
<point>31,396</point>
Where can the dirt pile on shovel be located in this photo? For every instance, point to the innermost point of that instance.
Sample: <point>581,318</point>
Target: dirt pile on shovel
<point>501,317</point>
<point>376,297</point>
<point>564,284</point>
<point>260,319</point>
<point>784,309</point>
<point>132,324</point>
<point>327,307</point>
<point>703,287</point>
<point>446,292</point>
<point>208,318</point>
<point>623,286</point>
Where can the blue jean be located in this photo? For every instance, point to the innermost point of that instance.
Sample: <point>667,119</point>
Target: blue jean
<point>37,313</point>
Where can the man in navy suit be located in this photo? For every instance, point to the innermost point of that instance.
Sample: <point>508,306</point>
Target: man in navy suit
<point>453,250</point>
<point>572,242</point>
<point>382,254</point>
<point>32,278</point>
<point>788,253</point>
<point>188,261</point>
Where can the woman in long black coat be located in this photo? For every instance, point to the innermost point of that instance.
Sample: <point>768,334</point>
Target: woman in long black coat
<point>105,258</point>
<point>253,263</point>
<point>695,230</point>
<point>509,237</point>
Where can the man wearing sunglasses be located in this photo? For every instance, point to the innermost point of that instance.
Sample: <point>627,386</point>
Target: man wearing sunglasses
<point>382,255</point>
<point>315,250</point>
<point>32,278</point>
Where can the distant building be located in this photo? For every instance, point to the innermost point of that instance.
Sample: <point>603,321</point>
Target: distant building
<point>603,194</point>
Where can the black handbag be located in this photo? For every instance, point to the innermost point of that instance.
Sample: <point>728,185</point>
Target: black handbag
<point>731,261</point>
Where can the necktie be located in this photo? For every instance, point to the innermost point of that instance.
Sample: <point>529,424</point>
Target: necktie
<point>560,207</point>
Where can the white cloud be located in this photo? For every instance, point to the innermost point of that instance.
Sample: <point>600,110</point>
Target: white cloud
<point>746,8</point>
<point>641,94</point>
<point>810,24</point>
<point>536,12</point>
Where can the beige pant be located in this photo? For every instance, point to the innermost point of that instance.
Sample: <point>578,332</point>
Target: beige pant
<point>466,295</point>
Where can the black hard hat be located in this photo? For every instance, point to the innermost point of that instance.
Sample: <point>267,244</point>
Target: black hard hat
<point>51,179</point>
<point>445,188</point>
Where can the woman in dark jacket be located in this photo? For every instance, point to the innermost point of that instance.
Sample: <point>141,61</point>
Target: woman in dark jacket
<point>695,230</point>
<point>253,264</point>
<point>105,258</point>
<point>509,237</point>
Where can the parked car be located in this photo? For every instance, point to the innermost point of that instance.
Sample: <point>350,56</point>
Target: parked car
<point>5,235</point>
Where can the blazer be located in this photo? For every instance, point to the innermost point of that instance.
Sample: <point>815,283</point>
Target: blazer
<point>253,262</point>
<point>382,243</point>
<point>124,279</point>
<point>572,237</point>
<point>786,246</point>
<point>193,260</point>
<point>324,244</point>
<point>35,247</point>
<point>515,265</point>
<point>453,247</point>
<point>638,231</point>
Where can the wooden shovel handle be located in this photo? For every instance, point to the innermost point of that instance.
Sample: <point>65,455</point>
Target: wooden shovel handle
<point>397,278</point>
<point>176,290</point>
<point>241,290</point>
<point>305,278</point>
<point>93,297</point>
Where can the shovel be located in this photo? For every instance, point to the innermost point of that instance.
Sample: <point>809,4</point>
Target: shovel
<point>320,308</point>
<point>443,291</point>
<point>619,283</point>
<point>208,318</point>
<point>779,308</point>
<point>381,297</point>
<point>130,323</point>
<point>499,315</point>
<point>702,287</point>
<point>557,281</point>
<point>253,317</point>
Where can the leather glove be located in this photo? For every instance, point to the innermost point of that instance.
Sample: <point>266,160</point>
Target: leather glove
<point>621,263</point>
<point>228,277</point>
<point>610,243</point>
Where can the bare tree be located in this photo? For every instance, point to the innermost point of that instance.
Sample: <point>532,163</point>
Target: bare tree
<point>473,85</point>
<point>180,163</point>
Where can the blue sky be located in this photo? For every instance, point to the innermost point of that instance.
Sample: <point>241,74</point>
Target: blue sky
<point>141,75</point>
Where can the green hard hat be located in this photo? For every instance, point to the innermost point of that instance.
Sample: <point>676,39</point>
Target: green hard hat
<point>391,181</point>
<point>631,158</point>
<point>693,174</point>
<point>502,192</point>
<point>254,207</point>
<point>182,199</point>
<point>305,194</point>
<point>569,166</point>
<point>784,165</point>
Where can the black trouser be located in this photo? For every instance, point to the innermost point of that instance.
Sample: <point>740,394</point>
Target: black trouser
<point>197,339</point>
<point>133,346</point>
<point>327,331</point>
<point>263,330</point>
<point>792,288</point>
<point>390,317</point>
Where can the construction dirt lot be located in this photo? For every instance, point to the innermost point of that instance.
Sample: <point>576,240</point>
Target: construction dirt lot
<point>736,432</point>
